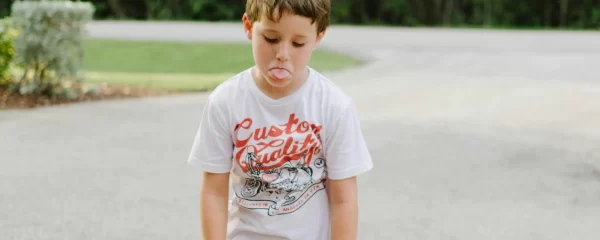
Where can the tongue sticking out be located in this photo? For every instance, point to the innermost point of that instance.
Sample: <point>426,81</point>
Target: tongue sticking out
<point>279,74</point>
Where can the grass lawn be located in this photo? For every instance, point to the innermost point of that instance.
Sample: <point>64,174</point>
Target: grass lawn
<point>180,66</point>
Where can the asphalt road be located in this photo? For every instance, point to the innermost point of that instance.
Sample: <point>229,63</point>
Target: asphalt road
<point>475,134</point>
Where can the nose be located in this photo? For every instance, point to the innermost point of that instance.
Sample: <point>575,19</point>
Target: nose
<point>283,52</point>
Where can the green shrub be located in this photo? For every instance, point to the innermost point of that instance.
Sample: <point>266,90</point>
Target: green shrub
<point>7,52</point>
<point>49,45</point>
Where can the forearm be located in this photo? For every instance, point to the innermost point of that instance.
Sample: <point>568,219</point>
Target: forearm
<point>344,220</point>
<point>214,217</point>
<point>214,211</point>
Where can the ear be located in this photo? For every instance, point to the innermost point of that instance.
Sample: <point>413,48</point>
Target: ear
<point>247,26</point>
<point>320,36</point>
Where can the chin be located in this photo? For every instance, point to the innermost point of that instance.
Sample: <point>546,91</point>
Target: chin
<point>279,83</point>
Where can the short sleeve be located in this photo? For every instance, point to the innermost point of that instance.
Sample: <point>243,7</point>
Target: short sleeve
<point>213,146</point>
<point>346,151</point>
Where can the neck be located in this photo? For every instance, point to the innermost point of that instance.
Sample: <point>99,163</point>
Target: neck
<point>279,92</point>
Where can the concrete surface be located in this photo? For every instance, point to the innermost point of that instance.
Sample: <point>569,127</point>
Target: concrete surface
<point>476,134</point>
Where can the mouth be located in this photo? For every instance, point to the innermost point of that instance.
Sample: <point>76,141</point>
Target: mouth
<point>279,73</point>
<point>279,69</point>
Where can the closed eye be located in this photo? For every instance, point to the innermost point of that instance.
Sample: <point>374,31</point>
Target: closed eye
<point>271,40</point>
<point>275,40</point>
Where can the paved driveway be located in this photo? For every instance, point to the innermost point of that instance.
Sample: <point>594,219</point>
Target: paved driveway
<point>475,135</point>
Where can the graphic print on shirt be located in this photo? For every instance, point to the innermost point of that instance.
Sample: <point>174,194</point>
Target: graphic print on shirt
<point>283,164</point>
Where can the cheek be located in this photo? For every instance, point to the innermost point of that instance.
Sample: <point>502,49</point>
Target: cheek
<point>302,56</point>
<point>263,52</point>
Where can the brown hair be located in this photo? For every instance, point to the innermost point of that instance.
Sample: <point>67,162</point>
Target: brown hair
<point>317,10</point>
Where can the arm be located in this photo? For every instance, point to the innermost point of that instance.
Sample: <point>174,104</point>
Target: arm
<point>343,200</point>
<point>213,205</point>
<point>211,152</point>
<point>347,157</point>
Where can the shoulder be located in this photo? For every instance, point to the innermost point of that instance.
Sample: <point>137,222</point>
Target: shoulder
<point>228,90</point>
<point>333,98</point>
<point>345,149</point>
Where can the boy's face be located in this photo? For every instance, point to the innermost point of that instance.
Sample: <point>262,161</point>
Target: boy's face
<point>282,49</point>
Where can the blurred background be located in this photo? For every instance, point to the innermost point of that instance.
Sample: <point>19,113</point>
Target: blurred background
<point>573,14</point>
<point>482,116</point>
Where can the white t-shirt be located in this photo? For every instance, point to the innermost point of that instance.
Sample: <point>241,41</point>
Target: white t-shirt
<point>280,154</point>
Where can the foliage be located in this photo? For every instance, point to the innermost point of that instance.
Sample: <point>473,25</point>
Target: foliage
<point>49,44</point>
<point>491,13</point>
<point>7,51</point>
<point>582,14</point>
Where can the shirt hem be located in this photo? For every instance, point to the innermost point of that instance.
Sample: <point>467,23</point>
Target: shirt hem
<point>207,167</point>
<point>352,172</point>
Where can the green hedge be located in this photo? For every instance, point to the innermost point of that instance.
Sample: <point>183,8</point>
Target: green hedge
<point>493,13</point>
<point>500,13</point>
<point>49,46</point>
<point>7,51</point>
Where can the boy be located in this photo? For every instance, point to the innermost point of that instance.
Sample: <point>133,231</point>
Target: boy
<point>285,137</point>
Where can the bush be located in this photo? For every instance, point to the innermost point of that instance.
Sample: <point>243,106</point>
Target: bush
<point>7,52</point>
<point>49,45</point>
